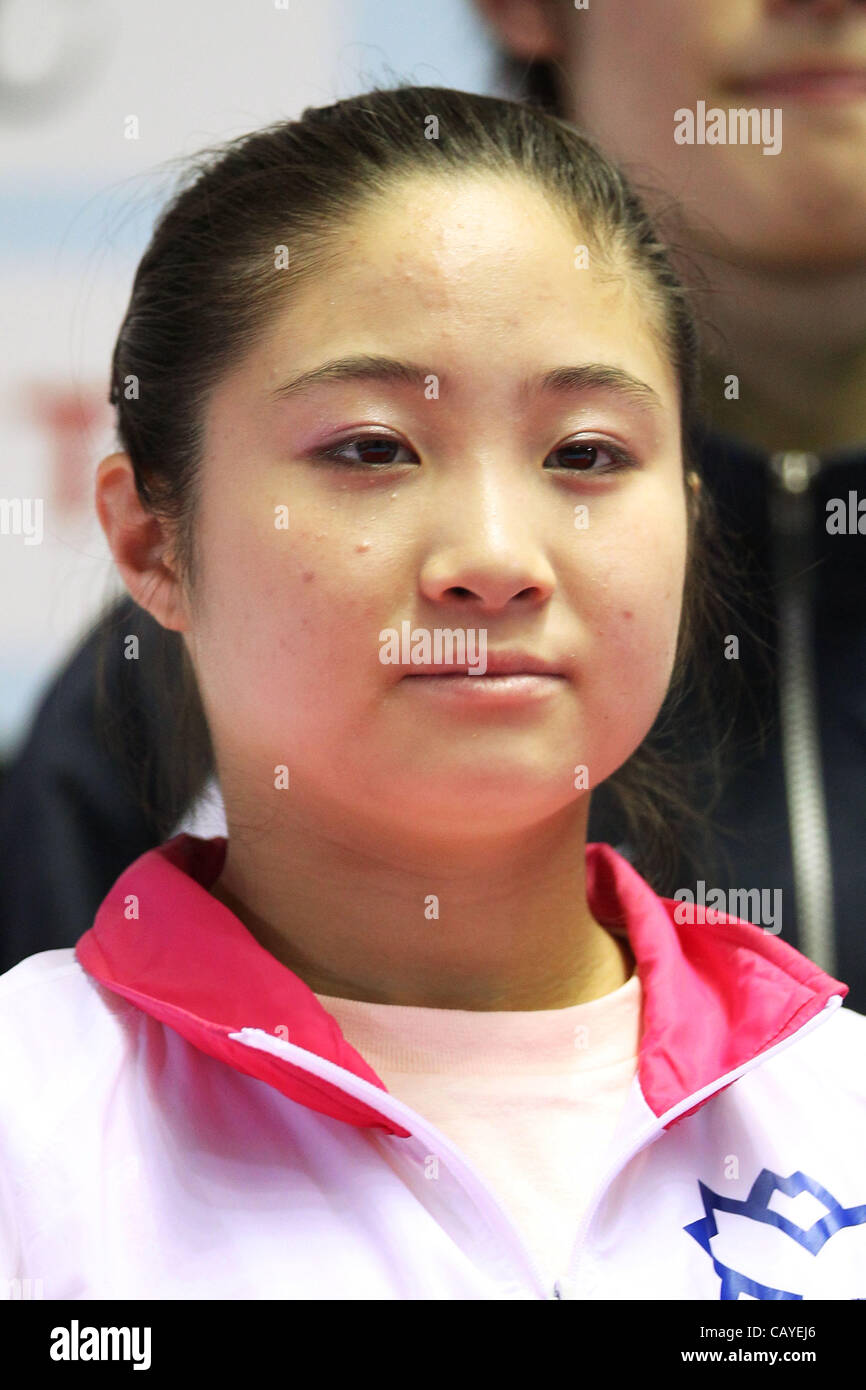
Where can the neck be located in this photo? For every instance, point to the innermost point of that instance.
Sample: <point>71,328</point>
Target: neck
<point>797,345</point>
<point>465,924</point>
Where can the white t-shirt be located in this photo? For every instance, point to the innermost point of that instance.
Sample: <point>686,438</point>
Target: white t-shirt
<point>531,1097</point>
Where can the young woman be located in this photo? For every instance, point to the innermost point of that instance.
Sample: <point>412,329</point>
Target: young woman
<point>405,395</point>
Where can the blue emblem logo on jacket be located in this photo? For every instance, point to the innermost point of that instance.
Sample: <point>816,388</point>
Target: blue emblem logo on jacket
<point>758,1252</point>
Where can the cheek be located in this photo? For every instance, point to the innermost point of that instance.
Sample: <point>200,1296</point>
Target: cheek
<point>645,604</point>
<point>286,621</point>
<point>628,683</point>
<point>657,55</point>
<point>631,611</point>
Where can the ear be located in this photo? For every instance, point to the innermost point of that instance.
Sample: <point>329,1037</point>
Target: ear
<point>139,543</point>
<point>526,28</point>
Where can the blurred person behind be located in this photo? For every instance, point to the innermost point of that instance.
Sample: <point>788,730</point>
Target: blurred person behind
<point>774,246</point>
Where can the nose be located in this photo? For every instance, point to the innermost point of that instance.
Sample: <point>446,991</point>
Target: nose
<point>489,550</point>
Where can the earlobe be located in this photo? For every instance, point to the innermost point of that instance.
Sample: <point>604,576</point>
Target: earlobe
<point>139,543</point>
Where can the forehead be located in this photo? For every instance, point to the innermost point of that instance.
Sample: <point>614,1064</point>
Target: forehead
<point>485,271</point>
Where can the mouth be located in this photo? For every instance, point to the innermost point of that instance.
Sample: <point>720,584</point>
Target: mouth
<point>510,678</point>
<point>812,84</point>
<point>492,689</point>
<point>496,663</point>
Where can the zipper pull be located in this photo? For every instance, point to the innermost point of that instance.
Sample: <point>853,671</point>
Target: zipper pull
<point>795,471</point>
<point>790,501</point>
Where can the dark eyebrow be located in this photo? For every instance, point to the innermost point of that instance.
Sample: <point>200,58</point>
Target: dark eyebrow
<point>368,367</point>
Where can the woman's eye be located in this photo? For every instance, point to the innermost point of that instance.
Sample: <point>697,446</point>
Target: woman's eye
<point>380,451</point>
<point>373,450</point>
<point>581,456</point>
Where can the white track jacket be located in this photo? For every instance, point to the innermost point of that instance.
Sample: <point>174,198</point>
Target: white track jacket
<point>181,1118</point>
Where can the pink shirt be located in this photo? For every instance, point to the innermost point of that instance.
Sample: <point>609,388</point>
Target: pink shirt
<point>532,1098</point>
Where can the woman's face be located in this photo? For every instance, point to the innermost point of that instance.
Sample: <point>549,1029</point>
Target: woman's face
<point>629,67</point>
<point>464,519</point>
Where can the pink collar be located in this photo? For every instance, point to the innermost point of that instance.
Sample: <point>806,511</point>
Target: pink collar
<point>714,997</point>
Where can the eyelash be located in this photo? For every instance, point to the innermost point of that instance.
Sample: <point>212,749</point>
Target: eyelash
<point>622,458</point>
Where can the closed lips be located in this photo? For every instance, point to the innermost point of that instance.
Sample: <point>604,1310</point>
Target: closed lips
<point>496,664</point>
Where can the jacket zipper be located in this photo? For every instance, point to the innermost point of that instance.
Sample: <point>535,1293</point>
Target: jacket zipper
<point>382,1101</point>
<point>791,522</point>
<point>467,1175</point>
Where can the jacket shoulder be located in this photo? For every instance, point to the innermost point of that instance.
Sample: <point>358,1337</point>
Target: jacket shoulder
<point>49,992</point>
<point>847,1029</point>
<point>833,1055</point>
<point>32,990</point>
<point>66,1036</point>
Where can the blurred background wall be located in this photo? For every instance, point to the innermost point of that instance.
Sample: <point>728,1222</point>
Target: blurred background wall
<point>99,99</point>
